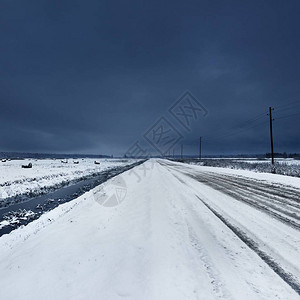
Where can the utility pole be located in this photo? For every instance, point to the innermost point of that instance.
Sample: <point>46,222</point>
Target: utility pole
<point>200,148</point>
<point>173,152</point>
<point>271,133</point>
<point>181,151</point>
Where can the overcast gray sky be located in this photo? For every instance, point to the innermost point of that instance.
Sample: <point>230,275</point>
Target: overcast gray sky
<point>94,76</point>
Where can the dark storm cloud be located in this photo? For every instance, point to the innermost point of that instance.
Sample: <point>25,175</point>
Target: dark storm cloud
<point>93,76</point>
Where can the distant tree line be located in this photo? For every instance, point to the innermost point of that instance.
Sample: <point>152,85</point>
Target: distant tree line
<point>20,155</point>
<point>284,155</point>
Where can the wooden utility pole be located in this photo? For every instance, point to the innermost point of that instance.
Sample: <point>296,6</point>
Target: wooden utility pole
<point>200,148</point>
<point>271,133</point>
<point>181,151</point>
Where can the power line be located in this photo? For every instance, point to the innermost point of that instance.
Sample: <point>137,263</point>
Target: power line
<point>294,107</point>
<point>288,116</point>
<point>243,129</point>
<point>252,123</point>
<point>288,105</point>
<point>242,124</point>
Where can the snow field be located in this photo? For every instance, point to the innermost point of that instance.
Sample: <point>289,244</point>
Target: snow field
<point>161,242</point>
<point>47,173</point>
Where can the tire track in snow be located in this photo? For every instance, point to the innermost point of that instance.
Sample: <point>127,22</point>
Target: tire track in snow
<point>278,192</point>
<point>245,190</point>
<point>218,286</point>
<point>289,194</point>
<point>251,186</point>
<point>249,198</point>
<point>284,275</point>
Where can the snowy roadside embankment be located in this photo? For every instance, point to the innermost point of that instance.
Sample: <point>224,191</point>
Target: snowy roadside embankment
<point>48,173</point>
<point>142,235</point>
<point>289,167</point>
<point>260,176</point>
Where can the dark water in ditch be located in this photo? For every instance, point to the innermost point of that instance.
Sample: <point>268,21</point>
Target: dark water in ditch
<point>43,203</point>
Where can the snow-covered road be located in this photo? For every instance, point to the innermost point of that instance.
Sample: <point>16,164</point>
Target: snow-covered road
<point>181,232</point>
